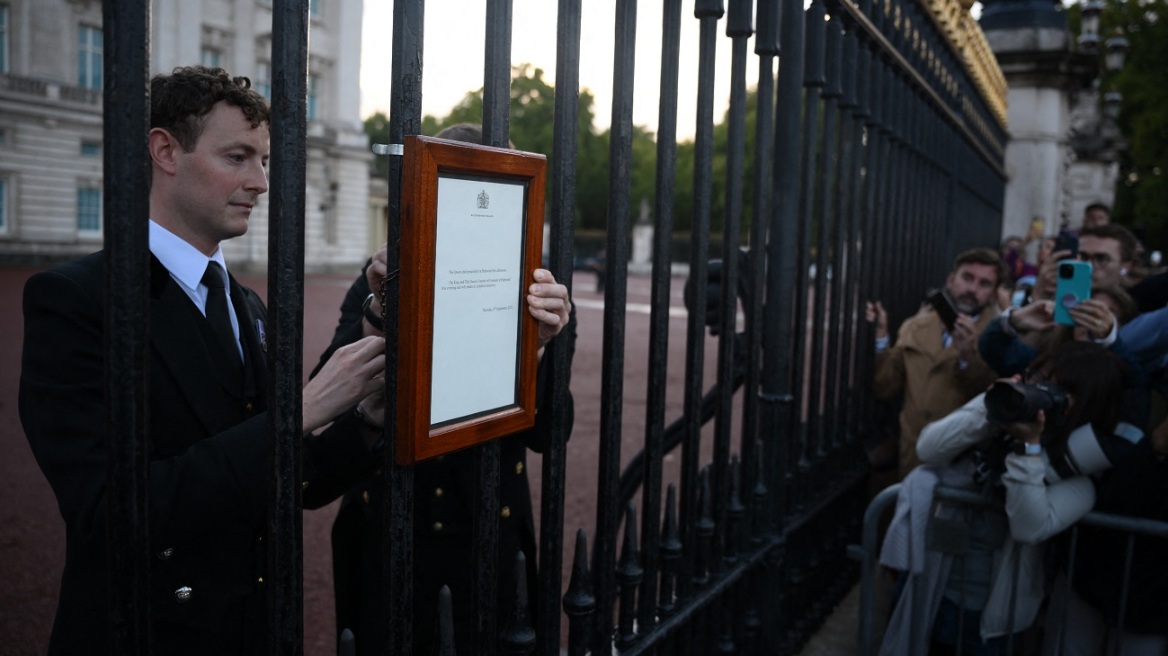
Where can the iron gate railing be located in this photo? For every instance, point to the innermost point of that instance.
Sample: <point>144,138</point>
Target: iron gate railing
<point>879,155</point>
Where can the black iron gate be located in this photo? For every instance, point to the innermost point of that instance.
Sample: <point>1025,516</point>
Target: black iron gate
<point>879,147</point>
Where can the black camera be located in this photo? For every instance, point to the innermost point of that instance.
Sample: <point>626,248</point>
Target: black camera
<point>1011,403</point>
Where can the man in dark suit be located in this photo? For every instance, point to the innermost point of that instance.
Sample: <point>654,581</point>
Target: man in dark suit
<point>444,553</point>
<point>206,393</point>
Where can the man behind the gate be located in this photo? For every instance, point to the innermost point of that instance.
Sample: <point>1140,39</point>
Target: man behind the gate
<point>938,368</point>
<point>207,430</point>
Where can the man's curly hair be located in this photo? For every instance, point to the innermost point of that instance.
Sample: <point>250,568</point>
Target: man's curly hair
<point>180,101</point>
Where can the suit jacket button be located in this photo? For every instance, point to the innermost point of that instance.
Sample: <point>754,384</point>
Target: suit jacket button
<point>438,492</point>
<point>183,594</point>
<point>519,467</point>
<point>437,527</point>
<point>365,496</point>
<point>260,580</point>
<point>249,406</point>
<point>505,512</point>
<point>166,553</point>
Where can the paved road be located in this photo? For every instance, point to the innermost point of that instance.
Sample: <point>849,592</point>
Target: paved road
<point>32,533</point>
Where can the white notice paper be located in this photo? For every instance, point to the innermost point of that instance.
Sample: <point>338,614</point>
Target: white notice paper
<point>478,293</point>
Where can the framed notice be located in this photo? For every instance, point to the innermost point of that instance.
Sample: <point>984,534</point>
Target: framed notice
<point>472,232</point>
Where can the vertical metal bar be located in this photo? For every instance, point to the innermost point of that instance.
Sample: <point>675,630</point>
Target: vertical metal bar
<point>890,208</point>
<point>628,576</point>
<point>126,107</point>
<point>734,513</point>
<point>920,225</point>
<point>766,46</point>
<point>813,80</point>
<point>891,226</point>
<point>615,295</point>
<point>486,539</point>
<point>397,516</point>
<point>497,74</point>
<point>863,243</point>
<point>782,251</point>
<point>659,315</point>
<point>914,224</point>
<point>563,204</point>
<point>286,318</point>
<point>851,159</point>
<point>776,399</point>
<point>579,602</point>
<point>496,132</point>
<point>879,180</point>
<point>916,170</point>
<point>1129,545</point>
<point>670,552</point>
<point>823,358</point>
<point>707,12</point>
<point>893,223</point>
<point>738,28</point>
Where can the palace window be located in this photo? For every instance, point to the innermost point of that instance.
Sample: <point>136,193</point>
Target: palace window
<point>89,57</point>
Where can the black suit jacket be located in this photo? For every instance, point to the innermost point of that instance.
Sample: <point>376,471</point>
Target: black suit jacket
<point>208,468</point>
<point>444,509</point>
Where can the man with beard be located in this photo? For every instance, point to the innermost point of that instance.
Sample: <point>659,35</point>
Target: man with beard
<point>936,367</point>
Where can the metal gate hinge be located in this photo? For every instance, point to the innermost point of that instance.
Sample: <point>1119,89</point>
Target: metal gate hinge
<point>388,149</point>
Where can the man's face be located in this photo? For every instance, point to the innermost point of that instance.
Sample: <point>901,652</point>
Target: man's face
<point>217,183</point>
<point>1096,217</point>
<point>972,287</point>
<point>1104,255</point>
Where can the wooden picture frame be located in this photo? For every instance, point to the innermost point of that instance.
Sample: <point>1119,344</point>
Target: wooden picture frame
<point>472,236</point>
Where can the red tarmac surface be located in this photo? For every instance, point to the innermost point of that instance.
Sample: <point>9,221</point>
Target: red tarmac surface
<point>32,533</point>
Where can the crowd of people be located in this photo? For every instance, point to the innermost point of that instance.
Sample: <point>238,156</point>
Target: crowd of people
<point>1048,404</point>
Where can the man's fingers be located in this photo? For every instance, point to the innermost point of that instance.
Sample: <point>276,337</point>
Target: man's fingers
<point>368,347</point>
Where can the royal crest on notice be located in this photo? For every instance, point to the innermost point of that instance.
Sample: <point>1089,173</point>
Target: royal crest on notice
<point>484,200</point>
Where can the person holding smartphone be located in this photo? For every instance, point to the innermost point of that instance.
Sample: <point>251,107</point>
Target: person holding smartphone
<point>934,361</point>
<point>1110,249</point>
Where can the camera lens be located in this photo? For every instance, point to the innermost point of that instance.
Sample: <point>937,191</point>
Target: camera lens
<point>1066,271</point>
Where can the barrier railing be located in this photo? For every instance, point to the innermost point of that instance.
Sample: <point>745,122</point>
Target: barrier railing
<point>868,553</point>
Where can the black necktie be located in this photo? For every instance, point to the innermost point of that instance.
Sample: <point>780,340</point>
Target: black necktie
<point>217,309</point>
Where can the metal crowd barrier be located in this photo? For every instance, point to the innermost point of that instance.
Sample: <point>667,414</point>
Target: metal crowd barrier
<point>869,550</point>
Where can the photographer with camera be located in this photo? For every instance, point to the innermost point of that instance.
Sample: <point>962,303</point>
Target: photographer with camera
<point>1037,443</point>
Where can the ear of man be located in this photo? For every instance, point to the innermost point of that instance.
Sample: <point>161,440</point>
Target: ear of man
<point>164,149</point>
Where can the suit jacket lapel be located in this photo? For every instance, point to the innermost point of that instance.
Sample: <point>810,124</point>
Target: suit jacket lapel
<point>177,339</point>
<point>252,318</point>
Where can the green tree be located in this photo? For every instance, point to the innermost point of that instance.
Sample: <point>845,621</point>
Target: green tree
<point>532,121</point>
<point>1141,198</point>
<point>1142,194</point>
<point>532,124</point>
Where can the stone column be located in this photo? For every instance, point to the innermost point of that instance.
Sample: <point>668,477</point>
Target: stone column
<point>1044,73</point>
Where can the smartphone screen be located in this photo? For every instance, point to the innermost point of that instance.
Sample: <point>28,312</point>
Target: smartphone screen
<point>1073,287</point>
<point>944,308</point>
